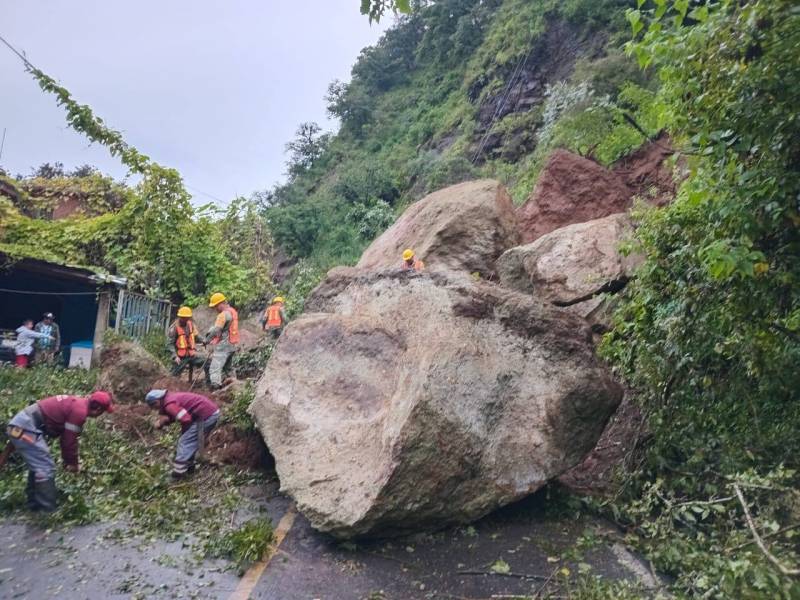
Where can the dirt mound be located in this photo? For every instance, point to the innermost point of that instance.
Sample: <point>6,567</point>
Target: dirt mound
<point>227,444</point>
<point>231,446</point>
<point>128,371</point>
<point>571,189</point>
<point>647,173</point>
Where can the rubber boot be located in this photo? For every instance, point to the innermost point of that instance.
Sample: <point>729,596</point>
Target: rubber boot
<point>45,495</point>
<point>29,491</point>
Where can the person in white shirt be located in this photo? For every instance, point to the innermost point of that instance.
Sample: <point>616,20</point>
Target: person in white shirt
<point>26,336</point>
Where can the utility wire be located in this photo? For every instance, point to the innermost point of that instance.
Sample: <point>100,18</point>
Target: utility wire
<point>32,293</point>
<point>30,65</point>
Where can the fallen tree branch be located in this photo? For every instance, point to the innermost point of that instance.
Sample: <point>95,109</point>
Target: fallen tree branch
<point>757,538</point>
<point>516,575</point>
<point>769,535</point>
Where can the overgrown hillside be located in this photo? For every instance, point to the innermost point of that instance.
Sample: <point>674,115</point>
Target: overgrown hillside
<point>457,90</point>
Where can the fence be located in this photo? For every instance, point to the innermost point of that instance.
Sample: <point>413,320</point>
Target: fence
<point>138,315</point>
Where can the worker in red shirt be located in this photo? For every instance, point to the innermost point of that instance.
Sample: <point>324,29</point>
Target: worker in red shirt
<point>197,415</point>
<point>54,417</point>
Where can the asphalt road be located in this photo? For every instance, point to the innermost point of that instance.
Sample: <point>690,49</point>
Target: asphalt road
<point>541,551</point>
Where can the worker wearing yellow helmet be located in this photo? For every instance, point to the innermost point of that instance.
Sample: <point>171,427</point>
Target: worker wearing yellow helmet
<point>274,318</point>
<point>223,337</point>
<point>182,343</point>
<point>411,262</point>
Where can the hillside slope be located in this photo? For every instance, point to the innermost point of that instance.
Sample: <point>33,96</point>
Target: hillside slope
<point>459,89</point>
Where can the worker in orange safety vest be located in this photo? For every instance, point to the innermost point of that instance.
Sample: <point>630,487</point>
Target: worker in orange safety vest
<point>224,338</point>
<point>274,318</point>
<point>410,262</point>
<point>182,344</point>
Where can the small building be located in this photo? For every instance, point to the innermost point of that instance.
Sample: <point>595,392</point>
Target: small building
<point>85,302</point>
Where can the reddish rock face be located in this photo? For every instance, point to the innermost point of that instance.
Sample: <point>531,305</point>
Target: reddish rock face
<point>571,189</point>
<point>647,173</point>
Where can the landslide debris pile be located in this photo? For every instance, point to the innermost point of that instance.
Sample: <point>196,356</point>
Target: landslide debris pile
<point>408,401</point>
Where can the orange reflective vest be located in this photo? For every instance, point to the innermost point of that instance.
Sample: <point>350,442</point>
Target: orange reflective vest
<point>417,265</point>
<point>233,327</point>
<point>185,341</point>
<point>273,315</point>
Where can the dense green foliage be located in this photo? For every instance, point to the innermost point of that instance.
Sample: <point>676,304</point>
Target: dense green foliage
<point>710,333</point>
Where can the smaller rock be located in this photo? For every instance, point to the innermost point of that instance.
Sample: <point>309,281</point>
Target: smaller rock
<point>572,266</point>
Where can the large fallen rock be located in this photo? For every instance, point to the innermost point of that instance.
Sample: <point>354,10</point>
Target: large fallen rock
<point>574,265</point>
<point>407,401</point>
<point>463,227</point>
<point>128,371</point>
<point>571,189</point>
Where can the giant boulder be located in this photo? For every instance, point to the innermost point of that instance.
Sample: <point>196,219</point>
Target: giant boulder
<point>463,227</point>
<point>573,266</point>
<point>408,401</point>
<point>571,189</point>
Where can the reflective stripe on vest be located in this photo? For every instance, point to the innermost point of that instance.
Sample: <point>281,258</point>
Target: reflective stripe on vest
<point>184,343</point>
<point>274,316</point>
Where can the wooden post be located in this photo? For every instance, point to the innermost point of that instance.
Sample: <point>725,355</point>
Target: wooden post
<point>100,324</point>
<point>120,301</point>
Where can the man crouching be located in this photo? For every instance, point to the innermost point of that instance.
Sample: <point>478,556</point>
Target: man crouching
<point>59,417</point>
<point>197,415</point>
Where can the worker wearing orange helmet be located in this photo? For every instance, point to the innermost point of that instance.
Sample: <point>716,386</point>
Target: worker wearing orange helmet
<point>182,344</point>
<point>411,262</point>
<point>274,317</point>
<point>59,417</point>
<point>223,337</point>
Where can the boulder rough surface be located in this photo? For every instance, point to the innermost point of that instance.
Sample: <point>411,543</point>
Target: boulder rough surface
<point>463,227</point>
<point>572,266</point>
<point>571,189</point>
<point>406,401</point>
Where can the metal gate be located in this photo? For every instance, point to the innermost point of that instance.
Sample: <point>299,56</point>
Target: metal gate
<point>137,315</point>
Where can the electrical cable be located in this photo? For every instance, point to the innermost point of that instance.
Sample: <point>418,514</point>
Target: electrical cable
<point>33,293</point>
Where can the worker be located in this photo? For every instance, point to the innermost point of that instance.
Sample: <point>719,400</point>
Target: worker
<point>274,317</point>
<point>57,416</point>
<point>223,336</point>
<point>182,343</point>
<point>197,415</point>
<point>410,262</point>
<point>26,337</point>
<point>46,349</point>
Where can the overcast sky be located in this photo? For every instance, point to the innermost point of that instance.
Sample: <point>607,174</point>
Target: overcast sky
<point>214,89</point>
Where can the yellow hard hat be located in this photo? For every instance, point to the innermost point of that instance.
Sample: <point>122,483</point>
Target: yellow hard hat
<point>216,298</point>
<point>408,254</point>
<point>184,311</point>
<point>277,299</point>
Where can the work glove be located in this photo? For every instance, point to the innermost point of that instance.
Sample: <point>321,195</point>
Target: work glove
<point>73,468</point>
<point>177,360</point>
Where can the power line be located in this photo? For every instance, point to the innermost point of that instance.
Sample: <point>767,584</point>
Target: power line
<point>30,65</point>
<point>33,293</point>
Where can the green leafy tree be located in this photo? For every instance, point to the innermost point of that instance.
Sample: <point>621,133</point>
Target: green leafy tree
<point>710,332</point>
